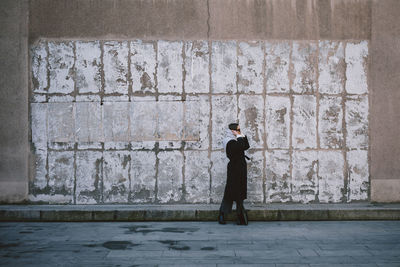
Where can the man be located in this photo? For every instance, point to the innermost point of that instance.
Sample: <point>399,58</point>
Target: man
<point>235,143</point>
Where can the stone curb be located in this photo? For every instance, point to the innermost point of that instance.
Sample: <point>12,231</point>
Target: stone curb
<point>101,213</point>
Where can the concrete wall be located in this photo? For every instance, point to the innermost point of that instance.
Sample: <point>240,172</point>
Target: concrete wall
<point>374,22</point>
<point>385,99</point>
<point>14,145</point>
<point>201,19</point>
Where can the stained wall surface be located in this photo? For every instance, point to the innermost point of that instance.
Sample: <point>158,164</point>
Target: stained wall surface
<point>143,121</point>
<point>14,106</point>
<point>312,82</point>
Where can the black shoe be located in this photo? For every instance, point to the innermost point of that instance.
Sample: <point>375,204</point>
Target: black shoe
<point>221,219</point>
<point>245,218</point>
<point>242,218</point>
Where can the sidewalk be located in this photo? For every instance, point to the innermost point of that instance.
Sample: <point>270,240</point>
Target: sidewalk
<point>270,244</point>
<point>200,212</point>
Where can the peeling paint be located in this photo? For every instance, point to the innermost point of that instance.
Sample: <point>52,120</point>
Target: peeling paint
<point>356,71</point>
<point>330,122</point>
<point>277,121</point>
<point>278,182</point>
<point>223,67</point>
<point>251,118</point>
<point>134,121</point>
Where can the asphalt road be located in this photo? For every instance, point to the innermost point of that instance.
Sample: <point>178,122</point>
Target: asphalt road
<point>324,243</point>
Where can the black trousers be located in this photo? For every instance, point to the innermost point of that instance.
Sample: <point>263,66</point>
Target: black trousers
<point>226,206</point>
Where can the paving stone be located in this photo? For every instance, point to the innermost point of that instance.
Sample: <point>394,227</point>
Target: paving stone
<point>251,119</point>
<point>304,122</point>
<point>89,122</point>
<point>250,67</point>
<point>358,181</point>
<point>169,177</point>
<point>143,66</point>
<point>331,67</point>
<point>116,184</point>
<point>88,67</point>
<point>88,177</point>
<point>356,67</point>
<point>307,252</point>
<point>224,112</point>
<point>115,61</point>
<point>61,67</point>
<point>304,61</point>
<point>61,177</point>
<point>223,67</point>
<point>277,121</point>
<point>197,177</point>
<point>331,176</point>
<point>116,121</point>
<point>219,163</point>
<point>304,176</point>
<point>39,67</point>
<point>277,66</point>
<point>197,78</point>
<point>61,122</point>
<point>143,176</point>
<point>278,180</point>
<point>255,177</point>
<point>151,243</point>
<point>169,72</point>
<point>330,122</point>
<point>356,116</point>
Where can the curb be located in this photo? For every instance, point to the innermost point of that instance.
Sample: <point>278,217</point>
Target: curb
<point>271,212</point>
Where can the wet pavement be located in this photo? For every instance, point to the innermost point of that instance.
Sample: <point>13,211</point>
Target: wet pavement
<point>324,243</point>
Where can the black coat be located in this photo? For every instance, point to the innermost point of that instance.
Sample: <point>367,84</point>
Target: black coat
<point>236,182</point>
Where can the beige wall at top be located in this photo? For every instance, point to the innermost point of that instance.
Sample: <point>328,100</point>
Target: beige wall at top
<point>201,19</point>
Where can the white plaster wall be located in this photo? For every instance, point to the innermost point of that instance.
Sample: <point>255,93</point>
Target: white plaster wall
<point>143,121</point>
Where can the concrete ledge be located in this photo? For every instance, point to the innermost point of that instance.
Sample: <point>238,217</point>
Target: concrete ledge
<point>270,212</point>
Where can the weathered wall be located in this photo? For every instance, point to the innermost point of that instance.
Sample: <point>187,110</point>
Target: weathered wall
<point>143,122</point>
<point>348,21</point>
<point>385,101</point>
<point>201,19</point>
<point>14,145</point>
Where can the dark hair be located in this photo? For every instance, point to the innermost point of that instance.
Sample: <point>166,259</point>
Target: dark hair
<point>233,126</point>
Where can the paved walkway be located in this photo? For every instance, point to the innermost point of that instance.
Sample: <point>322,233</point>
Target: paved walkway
<point>344,243</point>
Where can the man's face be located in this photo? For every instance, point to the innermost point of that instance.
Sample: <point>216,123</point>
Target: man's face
<point>237,131</point>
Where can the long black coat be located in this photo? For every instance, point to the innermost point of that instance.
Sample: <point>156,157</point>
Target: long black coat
<point>236,182</point>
